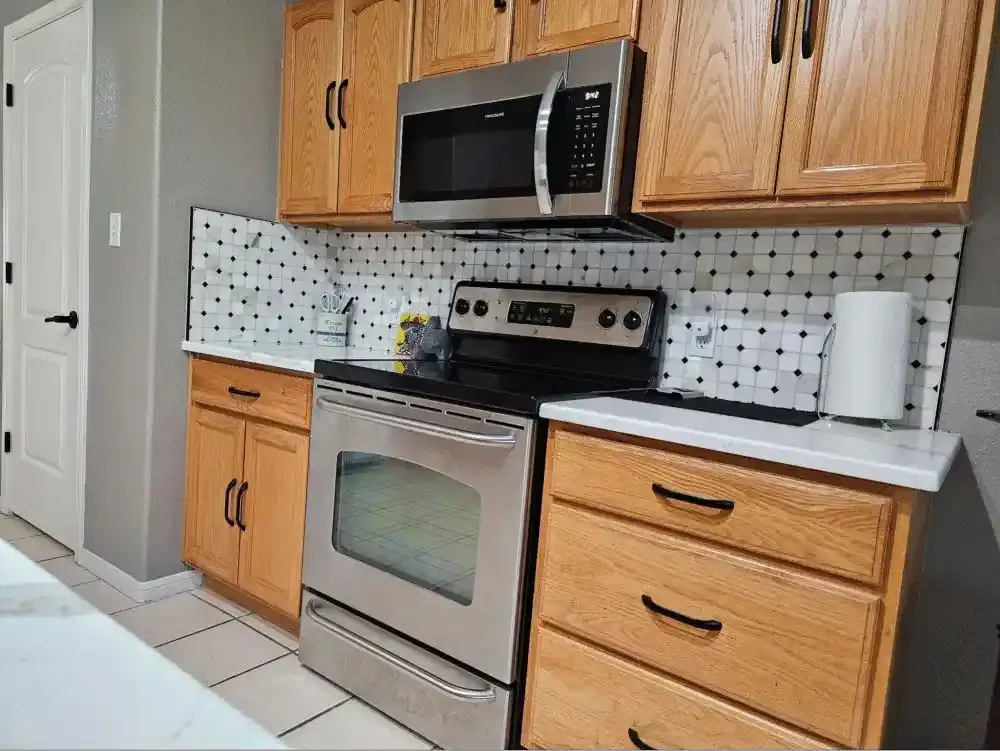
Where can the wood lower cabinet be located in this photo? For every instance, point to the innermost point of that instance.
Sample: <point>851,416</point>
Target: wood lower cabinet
<point>546,26</point>
<point>453,35</point>
<point>683,628</point>
<point>244,512</point>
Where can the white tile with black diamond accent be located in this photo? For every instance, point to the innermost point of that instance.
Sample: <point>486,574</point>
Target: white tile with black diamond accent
<point>258,281</point>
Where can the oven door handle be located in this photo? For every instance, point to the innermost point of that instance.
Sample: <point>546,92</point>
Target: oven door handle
<point>437,431</point>
<point>542,142</point>
<point>458,692</point>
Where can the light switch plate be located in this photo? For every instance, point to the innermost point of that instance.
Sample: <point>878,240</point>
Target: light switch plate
<point>115,231</point>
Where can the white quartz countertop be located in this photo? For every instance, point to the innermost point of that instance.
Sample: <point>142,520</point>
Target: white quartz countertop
<point>906,457</point>
<point>71,677</point>
<point>298,358</point>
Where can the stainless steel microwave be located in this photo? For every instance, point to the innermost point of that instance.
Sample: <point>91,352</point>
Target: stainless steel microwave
<point>543,148</point>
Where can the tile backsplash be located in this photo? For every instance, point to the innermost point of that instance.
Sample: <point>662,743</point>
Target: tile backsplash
<point>771,291</point>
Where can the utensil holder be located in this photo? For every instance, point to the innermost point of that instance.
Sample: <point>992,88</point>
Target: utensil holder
<point>331,329</point>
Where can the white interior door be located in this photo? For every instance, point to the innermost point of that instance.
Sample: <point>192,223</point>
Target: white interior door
<point>44,148</point>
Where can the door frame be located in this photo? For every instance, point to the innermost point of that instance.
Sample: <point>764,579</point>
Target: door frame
<point>35,20</point>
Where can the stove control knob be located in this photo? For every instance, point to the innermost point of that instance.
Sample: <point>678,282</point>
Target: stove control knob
<point>462,306</point>
<point>607,319</point>
<point>632,320</point>
<point>481,308</point>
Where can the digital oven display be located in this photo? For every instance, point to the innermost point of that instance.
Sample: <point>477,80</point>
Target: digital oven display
<point>541,314</point>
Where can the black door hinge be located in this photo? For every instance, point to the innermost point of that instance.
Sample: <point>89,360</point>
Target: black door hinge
<point>10,95</point>
<point>6,442</point>
<point>8,272</point>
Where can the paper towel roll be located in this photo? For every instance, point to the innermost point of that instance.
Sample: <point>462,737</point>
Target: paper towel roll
<point>865,374</point>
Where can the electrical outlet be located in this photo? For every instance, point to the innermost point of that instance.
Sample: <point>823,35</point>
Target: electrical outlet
<point>115,231</point>
<point>701,337</point>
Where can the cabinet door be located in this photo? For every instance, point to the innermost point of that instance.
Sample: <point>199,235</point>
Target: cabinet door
<point>461,34</point>
<point>714,98</point>
<point>214,469</point>
<point>544,26</point>
<point>880,102</point>
<point>309,136</point>
<point>377,46</point>
<point>273,510</point>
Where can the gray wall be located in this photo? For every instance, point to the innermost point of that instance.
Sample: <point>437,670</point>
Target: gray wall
<point>951,661</point>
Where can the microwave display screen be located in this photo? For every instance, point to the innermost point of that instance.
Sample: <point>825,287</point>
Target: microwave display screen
<point>541,314</point>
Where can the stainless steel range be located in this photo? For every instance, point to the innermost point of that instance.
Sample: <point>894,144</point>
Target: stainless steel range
<point>422,492</point>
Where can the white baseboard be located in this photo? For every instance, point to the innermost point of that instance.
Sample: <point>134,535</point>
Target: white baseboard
<point>157,589</point>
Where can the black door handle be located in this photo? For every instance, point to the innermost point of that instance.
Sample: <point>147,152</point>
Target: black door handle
<point>239,506</point>
<point>72,320</point>
<point>808,29</point>
<point>706,502</point>
<point>988,414</point>
<point>329,93</point>
<point>777,31</point>
<point>637,741</point>
<point>340,104</point>
<point>704,625</point>
<point>225,509</point>
<point>240,392</point>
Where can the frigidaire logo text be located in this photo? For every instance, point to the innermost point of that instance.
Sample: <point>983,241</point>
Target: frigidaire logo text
<point>492,115</point>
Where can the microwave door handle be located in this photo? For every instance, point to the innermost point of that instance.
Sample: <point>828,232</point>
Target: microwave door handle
<point>542,143</point>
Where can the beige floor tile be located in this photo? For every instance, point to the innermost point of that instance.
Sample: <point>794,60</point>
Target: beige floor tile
<point>285,639</point>
<point>165,620</point>
<point>40,548</point>
<point>104,597</point>
<point>281,694</point>
<point>14,528</point>
<point>353,725</point>
<point>67,571</point>
<point>221,652</point>
<point>236,611</point>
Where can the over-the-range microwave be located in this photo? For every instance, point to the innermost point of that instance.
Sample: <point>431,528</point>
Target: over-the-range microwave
<point>539,149</point>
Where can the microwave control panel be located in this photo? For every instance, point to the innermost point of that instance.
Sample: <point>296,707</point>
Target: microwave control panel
<point>587,111</point>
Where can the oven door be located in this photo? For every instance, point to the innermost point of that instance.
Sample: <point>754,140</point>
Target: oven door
<point>416,517</point>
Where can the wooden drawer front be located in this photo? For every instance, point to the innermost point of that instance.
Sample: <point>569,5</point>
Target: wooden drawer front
<point>283,398</point>
<point>822,526</point>
<point>791,644</point>
<point>582,697</point>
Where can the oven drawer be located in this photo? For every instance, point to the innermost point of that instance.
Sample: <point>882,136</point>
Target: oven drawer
<point>822,526</point>
<point>433,697</point>
<point>264,394</point>
<point>790,644</point>
<point>582,697</point>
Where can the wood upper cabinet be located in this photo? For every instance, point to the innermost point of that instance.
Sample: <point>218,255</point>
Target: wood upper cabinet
<point>456,35</point>
<point>309,138</point>
<point>880,103</point>
<point>377,43</point>
<point>275,471</point>
<point>714,98</point>
<point>544,26</point>
<point>214,468</point>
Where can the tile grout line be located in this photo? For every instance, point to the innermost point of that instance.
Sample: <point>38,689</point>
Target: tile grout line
<point>199,631</point>
<point>314,717</point>
<point>248,670</point>
<point>240,619</point>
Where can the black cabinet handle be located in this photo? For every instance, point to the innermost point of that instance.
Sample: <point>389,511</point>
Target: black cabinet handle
<point>706,502</point>
<point>240,495</point>
<point>329,93</point>
<point>808,29</point>
<point>240,392</point>
<point>500,4</point>
<point>777,31</point>
<point>704,625</point>
<point>340,104</point>
<point>72,320</point>
<point>225,509</point>
<point>639,742</point>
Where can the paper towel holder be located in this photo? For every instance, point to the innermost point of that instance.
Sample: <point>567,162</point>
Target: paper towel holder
<point>825,356</point>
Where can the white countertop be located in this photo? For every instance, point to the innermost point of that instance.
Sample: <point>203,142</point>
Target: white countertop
<point>71,677</point>
<point>298,358</point>
<point>905,457</point>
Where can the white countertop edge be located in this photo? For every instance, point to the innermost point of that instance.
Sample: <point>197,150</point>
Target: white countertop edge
<point>297,360</point>
<point>848,453</point>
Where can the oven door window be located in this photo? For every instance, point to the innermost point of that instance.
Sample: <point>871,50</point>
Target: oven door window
<point>409,521</point>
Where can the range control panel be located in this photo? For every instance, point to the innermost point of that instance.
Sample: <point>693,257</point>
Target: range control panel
<point>589,315</point>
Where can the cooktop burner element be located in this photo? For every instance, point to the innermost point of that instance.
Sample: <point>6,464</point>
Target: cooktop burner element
<point>776,415</point>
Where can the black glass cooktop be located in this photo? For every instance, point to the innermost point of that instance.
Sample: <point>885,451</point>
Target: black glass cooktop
<point>777,415</point>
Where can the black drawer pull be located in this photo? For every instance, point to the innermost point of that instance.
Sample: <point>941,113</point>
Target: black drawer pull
<point>340,104</point>
<point>704,625</point>
<point>639,742</point>
<point>225,508</point>
<point>808,29</point>
<point>706,502</point>
<point>777,31</point>
<point>329,94</point>
<point>240,495</point>
<point>240,392</point>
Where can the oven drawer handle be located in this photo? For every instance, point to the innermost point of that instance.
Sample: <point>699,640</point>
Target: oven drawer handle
<point>458,692</point>
<point>542,143</point>
<point>438,431</point>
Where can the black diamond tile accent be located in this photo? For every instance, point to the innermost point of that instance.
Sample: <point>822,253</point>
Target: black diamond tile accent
<point>756,368</point>
<point>814,254</point>
<point>772,254</point>
<point>789,273</point>
<point>921,320</point>
<point>929,278</point>
<point>808,295</point>
<point>688,325</point>
<point>713,272</point>
<point>907,255</point>
<point>839,233</point>
<point>834,275</point>
<point>762,331</point>
<point>736,384</point>
<point>733,254</point>
<point>915,364</point>
<point>880,276</point>
<point>886,233</point>
<point>718,364</point>
<point>910,406</point>
<point>798,373</point>
<point>780,351</point>
<point>784,314</point>
<point>740,348</point>
<point>700,380</point>
<point>828,316</point>
<point>936,233</point>
<point>697,254</point>
<point>767,293</point>
<point>729,291</point>
<point>795,233</point>
<point>803,334</point>
<point>750,272</point>
<point>724,327</point>
<point>859,255</point>
<point>718,235</point>
<point>774,389</point>
<point>745,311</point>
<point>755,234</point>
